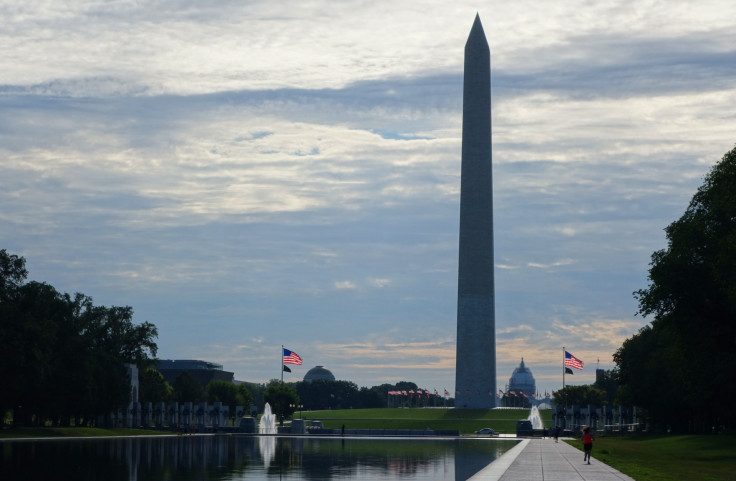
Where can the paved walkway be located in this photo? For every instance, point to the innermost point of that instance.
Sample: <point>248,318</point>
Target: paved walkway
<point>545,460</point>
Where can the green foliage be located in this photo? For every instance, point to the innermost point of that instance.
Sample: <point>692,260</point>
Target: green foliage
<point>687,357</point>
<point>187,388</point>
<point>608,381</point>
<point>12,274</point>
<point>245,398</point>
<point>371,398</point>
<point>62,357</point>
<point>256,392</point>
<point>326,394</point>
<point>229,394</point>
<point>153,388</point>
<point>222,391</point>
<point>579,395</point>
<point>283,399</point>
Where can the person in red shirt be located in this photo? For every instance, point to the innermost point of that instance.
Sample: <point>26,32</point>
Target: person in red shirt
<point>587,444</point>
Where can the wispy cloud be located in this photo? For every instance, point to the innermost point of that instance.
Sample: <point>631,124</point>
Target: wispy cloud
<point>225,168</point>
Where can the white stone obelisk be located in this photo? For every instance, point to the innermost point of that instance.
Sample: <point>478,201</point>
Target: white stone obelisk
<point>475,370</point>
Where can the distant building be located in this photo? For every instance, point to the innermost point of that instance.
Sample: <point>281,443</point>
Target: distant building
<point>203,371</point>
<point>319,372</point>
<point>522,380</point>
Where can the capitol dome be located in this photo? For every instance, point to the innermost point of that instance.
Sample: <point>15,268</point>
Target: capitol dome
<point>319,372</point>
<point>522,380</point>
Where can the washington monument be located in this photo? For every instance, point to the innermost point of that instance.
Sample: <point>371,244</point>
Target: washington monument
<point>475,367</point>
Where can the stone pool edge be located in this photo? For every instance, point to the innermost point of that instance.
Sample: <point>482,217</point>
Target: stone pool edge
<point>497,468</point>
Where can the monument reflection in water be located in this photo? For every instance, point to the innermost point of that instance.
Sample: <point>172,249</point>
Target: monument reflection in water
<point>247,457</point>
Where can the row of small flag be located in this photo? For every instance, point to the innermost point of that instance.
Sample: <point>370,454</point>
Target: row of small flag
<point>418,392</point>
<point>500,394</point>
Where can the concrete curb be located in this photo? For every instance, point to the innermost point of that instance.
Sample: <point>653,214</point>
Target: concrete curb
<point>497,468</point>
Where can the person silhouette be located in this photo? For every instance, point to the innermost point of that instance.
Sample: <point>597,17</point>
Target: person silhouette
<point>587,444</point>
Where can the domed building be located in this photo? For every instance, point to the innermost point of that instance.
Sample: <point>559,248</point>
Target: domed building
<point>319,372</point>
<point>522,380</point>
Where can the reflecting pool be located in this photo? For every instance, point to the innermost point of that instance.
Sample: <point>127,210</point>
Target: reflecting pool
<point>225,457</point>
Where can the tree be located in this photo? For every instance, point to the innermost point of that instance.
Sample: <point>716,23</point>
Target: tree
<point>222,391</point>
<point>646,365</point>
<point>188,389</point>
<point>692,299</point>
<point>579,395</point>
<point>153,387</point>
<point>256,392</point>
<point>62,357</point>
<point>229,394</point>
<point>245,397</point>
<point>12,274</point>
<point>327,394</point>
<point>33,315</point>
<point>608,381</point>
<point>282,398</point>
<point>371,398</point>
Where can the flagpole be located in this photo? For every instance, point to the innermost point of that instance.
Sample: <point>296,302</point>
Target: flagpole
<point>563,367</point>
<point>282,363</point>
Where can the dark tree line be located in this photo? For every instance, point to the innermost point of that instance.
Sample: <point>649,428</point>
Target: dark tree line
<point>325,394</point>
<point>322,394</point>
<point>580,395</point>
<point>154,389</point>
<point>682,367</point>
<point>62,358</point>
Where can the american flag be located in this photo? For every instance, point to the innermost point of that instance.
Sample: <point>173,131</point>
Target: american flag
<point>446,393</point>
<point>290,357</point>
<point>573,361</point>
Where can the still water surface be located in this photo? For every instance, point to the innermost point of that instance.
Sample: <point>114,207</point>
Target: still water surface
<point>248,457</point>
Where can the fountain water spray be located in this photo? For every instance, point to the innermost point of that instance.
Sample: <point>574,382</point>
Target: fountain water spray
<point>535,418</point>
<point>267,424</point>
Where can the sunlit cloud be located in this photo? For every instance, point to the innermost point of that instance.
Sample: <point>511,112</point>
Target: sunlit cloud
<point>563,262</point>
<point>380,283</point>
<point>245,176</point>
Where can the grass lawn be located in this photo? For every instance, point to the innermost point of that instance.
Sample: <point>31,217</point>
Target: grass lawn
<point>43,432</point>
<point>466,421</point>
<point>665,458</point>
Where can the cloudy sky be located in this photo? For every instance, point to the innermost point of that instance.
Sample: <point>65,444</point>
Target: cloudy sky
<point>247,174</point>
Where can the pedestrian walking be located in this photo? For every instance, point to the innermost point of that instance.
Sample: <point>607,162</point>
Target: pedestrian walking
<point>587,444</point>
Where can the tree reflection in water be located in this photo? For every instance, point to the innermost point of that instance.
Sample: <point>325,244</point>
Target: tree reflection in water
<point>255,457</point>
